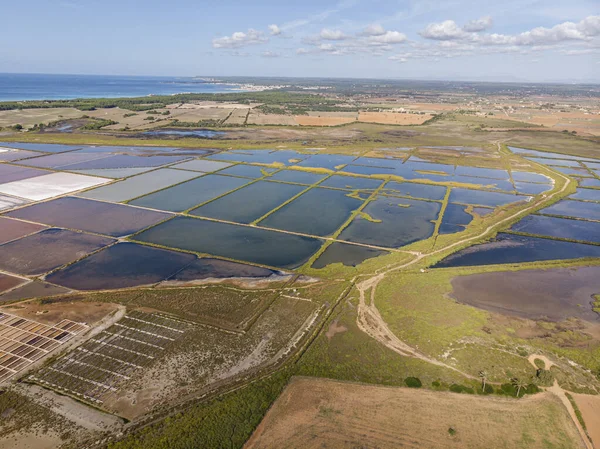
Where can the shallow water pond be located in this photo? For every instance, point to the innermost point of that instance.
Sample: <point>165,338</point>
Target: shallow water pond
<point>559,227</point>
<point>317,212</point>
<point>297,176</point>
<point>329,161</point>
<point>250,203</point>
<point>116,220</point>
<point>488,183</point>
<point>347,254</point>
<point>140,185</point>
<point>237,242</point>
<point>121,266</point>
<point>524,176</point>
<point>531,188</point>
<point>210,268</point>
<point>11,173</point>
<point>511,248</point>
<point>14,229</point>
<point>556,162</point>
<point>480,172</point>
<point>586,194</point>
<point>455,219</point>
<point>60,246</point>
<point>590,182</point>
<point>351,183</point>
<point>247,171</point>
<point>577,209</point>
<point>426,191</point>
<point>393,222</point>
<point>44,147</point>
<point>484,198</point>
<point>191,193</point>
<point>200,133</point>
<point>549,295</point>
<point>126,161</point>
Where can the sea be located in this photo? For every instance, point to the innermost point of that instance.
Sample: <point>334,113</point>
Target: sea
<point>27,86</point>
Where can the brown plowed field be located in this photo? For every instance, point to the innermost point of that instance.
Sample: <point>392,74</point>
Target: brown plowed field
<point>321,413</point>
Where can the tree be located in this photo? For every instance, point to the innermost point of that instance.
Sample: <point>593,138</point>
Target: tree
<point>484,377</point>
<point>518,384</point>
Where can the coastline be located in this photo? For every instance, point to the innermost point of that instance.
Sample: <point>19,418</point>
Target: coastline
<point>39,87</point>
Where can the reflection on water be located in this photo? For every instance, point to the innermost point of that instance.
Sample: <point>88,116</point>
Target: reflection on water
<point>200,133</point>
<point>508,248</point>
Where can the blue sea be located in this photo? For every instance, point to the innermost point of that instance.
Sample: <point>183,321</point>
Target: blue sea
<point>17,86</point>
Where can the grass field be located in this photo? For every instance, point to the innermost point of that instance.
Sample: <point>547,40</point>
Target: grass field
<point>319,413</point>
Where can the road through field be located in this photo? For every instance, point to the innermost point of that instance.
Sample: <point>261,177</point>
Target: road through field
<point>371,322</point>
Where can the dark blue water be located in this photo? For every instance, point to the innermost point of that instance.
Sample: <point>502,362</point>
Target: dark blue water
<point>202,133</point>
<point>17,86</point>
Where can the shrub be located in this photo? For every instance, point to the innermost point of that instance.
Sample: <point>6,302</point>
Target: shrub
<point>507,389</point>
<point>488,389</point>
<point>98,124</point>
<point>413,382</point>
<point>457,388</point>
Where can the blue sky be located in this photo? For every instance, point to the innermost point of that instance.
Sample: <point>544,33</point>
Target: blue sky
<point>512,40</point>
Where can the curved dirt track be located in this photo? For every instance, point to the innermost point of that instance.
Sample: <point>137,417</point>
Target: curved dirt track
<point>371,322</point>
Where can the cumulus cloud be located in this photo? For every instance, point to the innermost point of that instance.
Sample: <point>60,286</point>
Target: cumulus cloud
<point>302,51</point>
<point>373,30</point>
<point>482,24</point>
<point>446,30</point>
<point>388,37</point>
<point>332,35</point>
<point>240,39</point>
<point>566,31</point>
<point>326,47</point>
<point>585,30</point>
<point>274,30</point>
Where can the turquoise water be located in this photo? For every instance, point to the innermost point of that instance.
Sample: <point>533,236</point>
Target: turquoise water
<point>28,86</point>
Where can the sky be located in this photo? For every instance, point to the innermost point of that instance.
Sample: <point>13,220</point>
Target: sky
<point>507,40</point>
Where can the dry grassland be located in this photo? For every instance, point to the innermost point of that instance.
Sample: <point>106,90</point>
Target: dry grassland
<point>393,118</point>
<point>321,413</point>
<point>581,122</point>
<point>256,118</point>
<point>307,120</point>
<point>438,107</point>
<point>195,115</point>
<point>237,117</point>
<point>29,117</point>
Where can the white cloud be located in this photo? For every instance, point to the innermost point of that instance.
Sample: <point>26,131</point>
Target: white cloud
<point>326,47</point>
<point>584,30</point>
<point>302,51</point>
<point>274,30</point>
<point>332,35</point>
<point>240,39</point>
<point>446,30</point>
<point>389,37</point>
<point>482,24</point>
<point>373,30</point>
